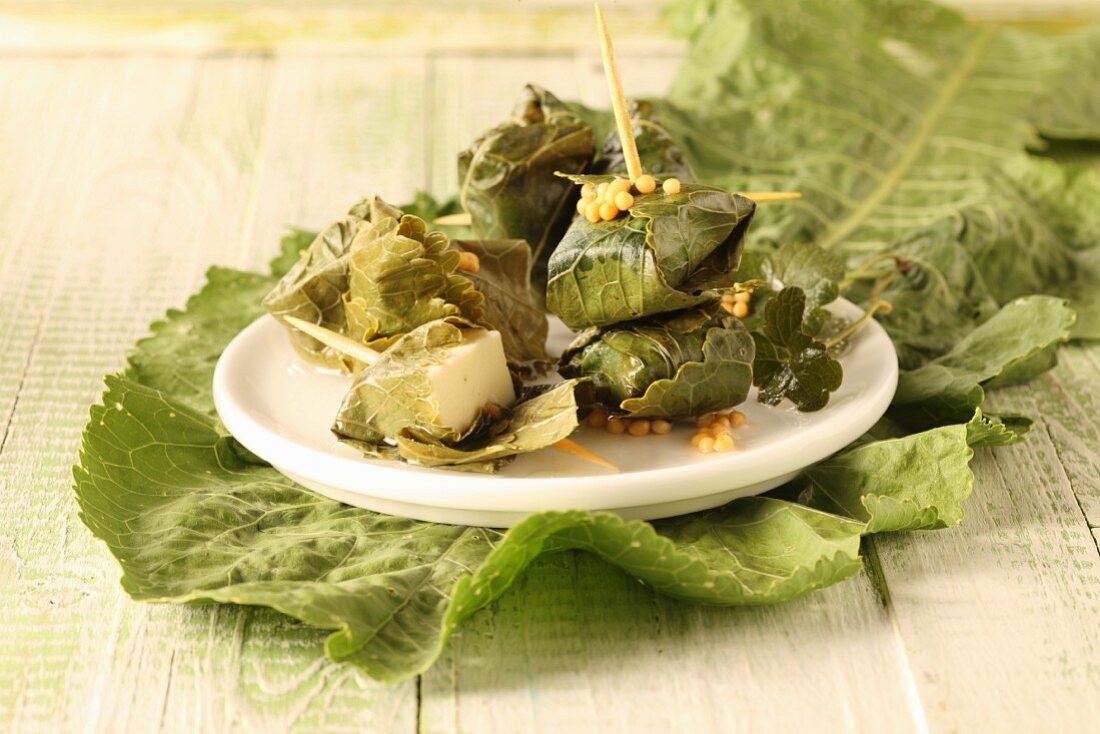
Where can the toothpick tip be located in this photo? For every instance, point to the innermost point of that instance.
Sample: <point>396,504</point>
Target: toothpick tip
<point>568,446</point>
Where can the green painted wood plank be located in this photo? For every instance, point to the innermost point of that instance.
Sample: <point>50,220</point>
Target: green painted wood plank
<point>340,129</point>
<point>1001,615</point>
<point>1071,411</point>
<point>153,184</point>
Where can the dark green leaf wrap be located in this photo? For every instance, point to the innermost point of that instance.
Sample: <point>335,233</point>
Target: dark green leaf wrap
<point>676,366</point>
<point>390,411</point>
<point>507,176</point>
<point>665,255</point>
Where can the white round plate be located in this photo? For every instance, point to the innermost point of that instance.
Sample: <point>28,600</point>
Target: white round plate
<point>281,408</point>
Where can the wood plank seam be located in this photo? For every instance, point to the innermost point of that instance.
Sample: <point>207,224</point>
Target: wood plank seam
<point>32,350</point>
<point>876,575</point>
<point>1083,419</point>
<point>1069,483</point>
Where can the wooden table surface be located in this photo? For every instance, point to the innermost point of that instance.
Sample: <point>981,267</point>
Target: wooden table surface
<point>133,155</point>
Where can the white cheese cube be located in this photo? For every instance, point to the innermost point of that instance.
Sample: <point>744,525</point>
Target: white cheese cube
<point>474,373</point>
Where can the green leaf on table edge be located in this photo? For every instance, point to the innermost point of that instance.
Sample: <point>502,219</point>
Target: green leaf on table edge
<point>997,430</point>
<point>910,483</point>
<point>1015,342</point>
<point>1070,108</point>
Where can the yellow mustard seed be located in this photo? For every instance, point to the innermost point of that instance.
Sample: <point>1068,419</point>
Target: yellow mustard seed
<point>582,205</point>
<point>639,427</point>
<point>740,310</point>
<point>723,443</point>
<point>660,426</point>
<point>728,299</point>
<point>706,444</point>
<point>645,184</point>
<point>592,212</point>
<point>742,297</point>
<point>728,307</point>
<point>616,426</point>
<point>608,211</point>
<point>699,436</point>
<point>624,200</point>
<point>704,420</point>
<point>588,191</point>
<point>601,190</point>
<point>671,186</point>
<point>721,420</point>
<point>619,185</point>
<point>598,419</point>
<point>737,418</point>
<point>469,262</point>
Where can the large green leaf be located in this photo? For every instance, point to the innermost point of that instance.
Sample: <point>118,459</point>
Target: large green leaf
<point>910,483</point>
<point>1070,109</point>
<point>893,119</point>
<point>935,290</point>
<point>670,366</point>
<point>663,255</point>
<point>507,181</point>
<point>884,115</point>
<point>949,388</point>
<point>190,521</point>
<point>1046,241</point>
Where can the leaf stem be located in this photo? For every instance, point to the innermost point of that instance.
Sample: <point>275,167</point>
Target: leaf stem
<point>852,328</point>
<point>864,269</point>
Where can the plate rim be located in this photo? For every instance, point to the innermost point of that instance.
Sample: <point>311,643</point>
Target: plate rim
<point>508,494</point>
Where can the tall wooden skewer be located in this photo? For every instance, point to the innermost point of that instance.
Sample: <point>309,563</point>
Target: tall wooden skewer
<point>618,100</point>
<point>365,354</point>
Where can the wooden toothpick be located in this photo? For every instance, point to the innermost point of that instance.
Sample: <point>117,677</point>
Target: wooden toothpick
<point>765,197</point>
<point>571,447</point>
<point>339,342</point>
<point>618,101</point>
<point>461,219</point>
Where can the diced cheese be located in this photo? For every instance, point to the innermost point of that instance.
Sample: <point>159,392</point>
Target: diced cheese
<point>474,373</point>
